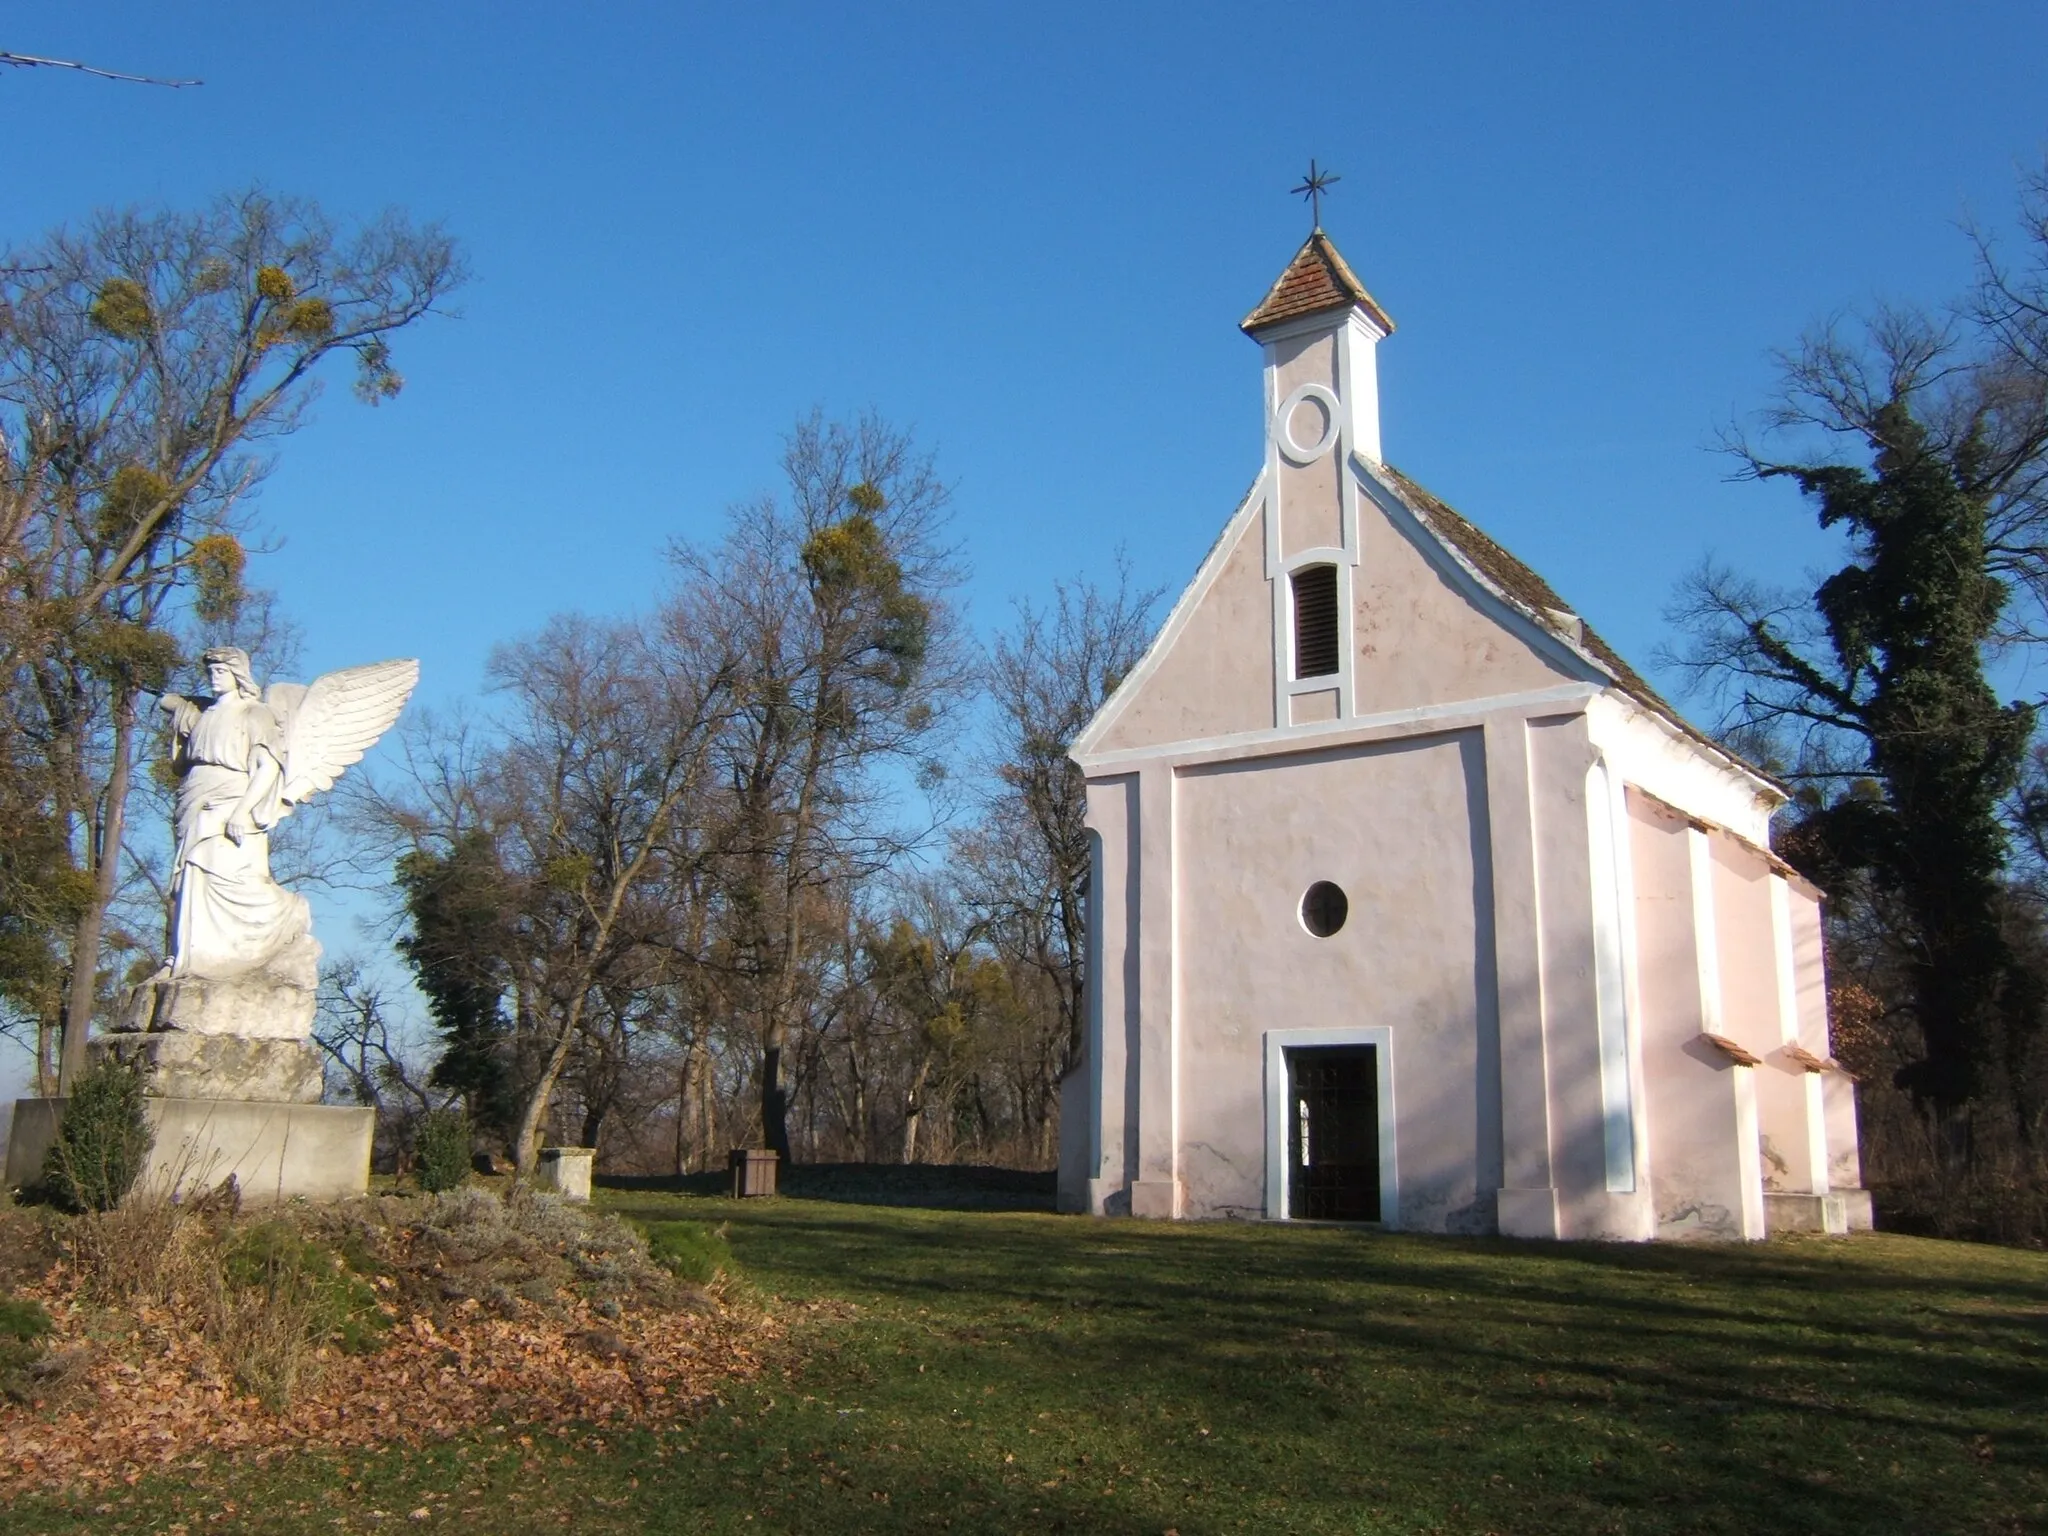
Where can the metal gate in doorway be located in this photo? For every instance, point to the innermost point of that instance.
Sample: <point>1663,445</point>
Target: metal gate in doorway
<point>1333,1133</point>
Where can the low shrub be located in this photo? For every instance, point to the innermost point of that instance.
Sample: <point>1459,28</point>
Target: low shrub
<point>443,1150</point>
<point>22,1322</point>
<point>103,1141</point>
<point>531,1245</point>
<point>689,1251</point>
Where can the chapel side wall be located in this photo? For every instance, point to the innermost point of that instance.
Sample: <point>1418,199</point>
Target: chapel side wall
<point>1251,837</point>
<point>1110,1152</point>
<point>1690,1098</point>
<point>1746,930</point>
<point>1838,1088</point>
<point>1215,677</point>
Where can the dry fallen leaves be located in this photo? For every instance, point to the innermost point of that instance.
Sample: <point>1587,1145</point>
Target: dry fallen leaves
<point>150,1394</point>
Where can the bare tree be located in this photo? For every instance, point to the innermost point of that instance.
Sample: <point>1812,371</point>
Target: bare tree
<point>836,604</point>
<point>35,61</point>
<point>1025,864</point>
<point>143,362</point>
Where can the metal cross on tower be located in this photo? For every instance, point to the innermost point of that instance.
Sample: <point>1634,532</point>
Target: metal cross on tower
<point>1312,187</point>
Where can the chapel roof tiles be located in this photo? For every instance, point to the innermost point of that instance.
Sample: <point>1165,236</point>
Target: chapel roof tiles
<point>1316,280</point>
<point>1530,591</point>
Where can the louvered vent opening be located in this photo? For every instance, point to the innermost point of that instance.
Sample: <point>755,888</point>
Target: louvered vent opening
<point>1315,621</point>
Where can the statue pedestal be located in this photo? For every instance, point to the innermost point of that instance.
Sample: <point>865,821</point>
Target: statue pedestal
<point>273,1002</point>
<point>276,1152</point>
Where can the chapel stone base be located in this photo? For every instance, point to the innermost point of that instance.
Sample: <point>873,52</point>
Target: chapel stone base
<point>1805,1213</point>
<point>275,1152</point>
<point>1527,1212</point>
<point>1157,1198</point>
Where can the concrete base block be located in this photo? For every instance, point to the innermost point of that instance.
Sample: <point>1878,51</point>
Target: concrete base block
<point>1805,1213</point>
<point>274,1151</point>
<point>178,1065</point>
<point>1157,1198</point>
<point>1606,1218</point>
<point>1856,1206</point>
<point>1528,1212</point>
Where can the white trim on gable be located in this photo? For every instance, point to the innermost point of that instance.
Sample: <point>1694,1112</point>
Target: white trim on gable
<point>1335,733</point>
<point>1648,751</point>
<point>1176,620</point>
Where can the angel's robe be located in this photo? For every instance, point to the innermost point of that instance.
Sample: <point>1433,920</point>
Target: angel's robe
<point>228,916</point>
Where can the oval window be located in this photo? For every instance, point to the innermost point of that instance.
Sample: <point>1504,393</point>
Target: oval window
<point>1324,908</point>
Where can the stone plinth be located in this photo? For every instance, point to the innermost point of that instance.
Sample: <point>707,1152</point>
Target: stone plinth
<point>275,1152</point>
<point>566,1171</point>
<point>178,1065</point>
<point>275,1002</point>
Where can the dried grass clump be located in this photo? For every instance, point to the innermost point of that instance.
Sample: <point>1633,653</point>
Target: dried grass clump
<point>267,1300</point>
<point>469,1243</point>
<point>279,1301</point>
<point>146,1250</point>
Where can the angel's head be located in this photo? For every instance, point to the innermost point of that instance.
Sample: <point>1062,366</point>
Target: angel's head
<point>227,670</point>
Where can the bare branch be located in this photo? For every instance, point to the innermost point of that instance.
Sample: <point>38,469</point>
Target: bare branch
<point>31,61</point>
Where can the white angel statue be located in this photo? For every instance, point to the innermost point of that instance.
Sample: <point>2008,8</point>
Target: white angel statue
<point>243,759</point>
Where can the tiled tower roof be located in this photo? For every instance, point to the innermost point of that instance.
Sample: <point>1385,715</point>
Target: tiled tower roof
<point>1316,280</point>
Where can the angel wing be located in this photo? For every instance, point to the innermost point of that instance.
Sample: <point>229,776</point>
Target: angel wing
<point>331,722</point>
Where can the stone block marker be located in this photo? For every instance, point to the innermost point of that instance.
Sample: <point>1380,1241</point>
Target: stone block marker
<point>565,1171</point>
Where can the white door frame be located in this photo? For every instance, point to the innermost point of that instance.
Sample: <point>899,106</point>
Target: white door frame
<point>1280,1041</point>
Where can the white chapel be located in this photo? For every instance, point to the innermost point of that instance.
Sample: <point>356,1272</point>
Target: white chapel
<point>1411,903</point>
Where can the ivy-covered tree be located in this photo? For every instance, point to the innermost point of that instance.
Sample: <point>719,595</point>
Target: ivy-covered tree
<point>1872,691</point>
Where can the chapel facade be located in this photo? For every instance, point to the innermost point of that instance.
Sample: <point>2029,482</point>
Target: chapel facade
<point>1413,904</point>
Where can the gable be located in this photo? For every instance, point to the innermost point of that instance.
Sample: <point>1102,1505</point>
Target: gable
<point>1210,670</point>
<point>1421,631</point>
<point>1425,634</point>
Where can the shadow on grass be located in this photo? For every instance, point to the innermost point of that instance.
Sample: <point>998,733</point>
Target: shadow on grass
<point>1809,1386</point>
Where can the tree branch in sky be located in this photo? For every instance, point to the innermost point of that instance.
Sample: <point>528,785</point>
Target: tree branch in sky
<point>31,61</point>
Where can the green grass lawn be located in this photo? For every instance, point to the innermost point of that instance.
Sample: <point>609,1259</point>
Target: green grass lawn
<point>1019,1372</point>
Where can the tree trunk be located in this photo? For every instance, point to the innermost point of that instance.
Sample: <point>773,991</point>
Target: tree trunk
<point>913,1108</point>
<point>683,1113</point>
<point>525,1149</point>
<point>774,1098</point>
<point>48,1032</point>
<point>83,996</point>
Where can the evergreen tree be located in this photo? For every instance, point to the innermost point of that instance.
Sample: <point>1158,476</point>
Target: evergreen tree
<point>454,902</point>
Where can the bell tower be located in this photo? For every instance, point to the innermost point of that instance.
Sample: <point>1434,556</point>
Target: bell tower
<point>1319,330</point>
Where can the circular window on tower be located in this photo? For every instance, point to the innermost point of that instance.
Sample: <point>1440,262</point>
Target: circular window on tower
<point>1323,909</point>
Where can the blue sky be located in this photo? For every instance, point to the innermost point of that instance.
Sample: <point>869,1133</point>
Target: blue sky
<point>1029,231</point>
